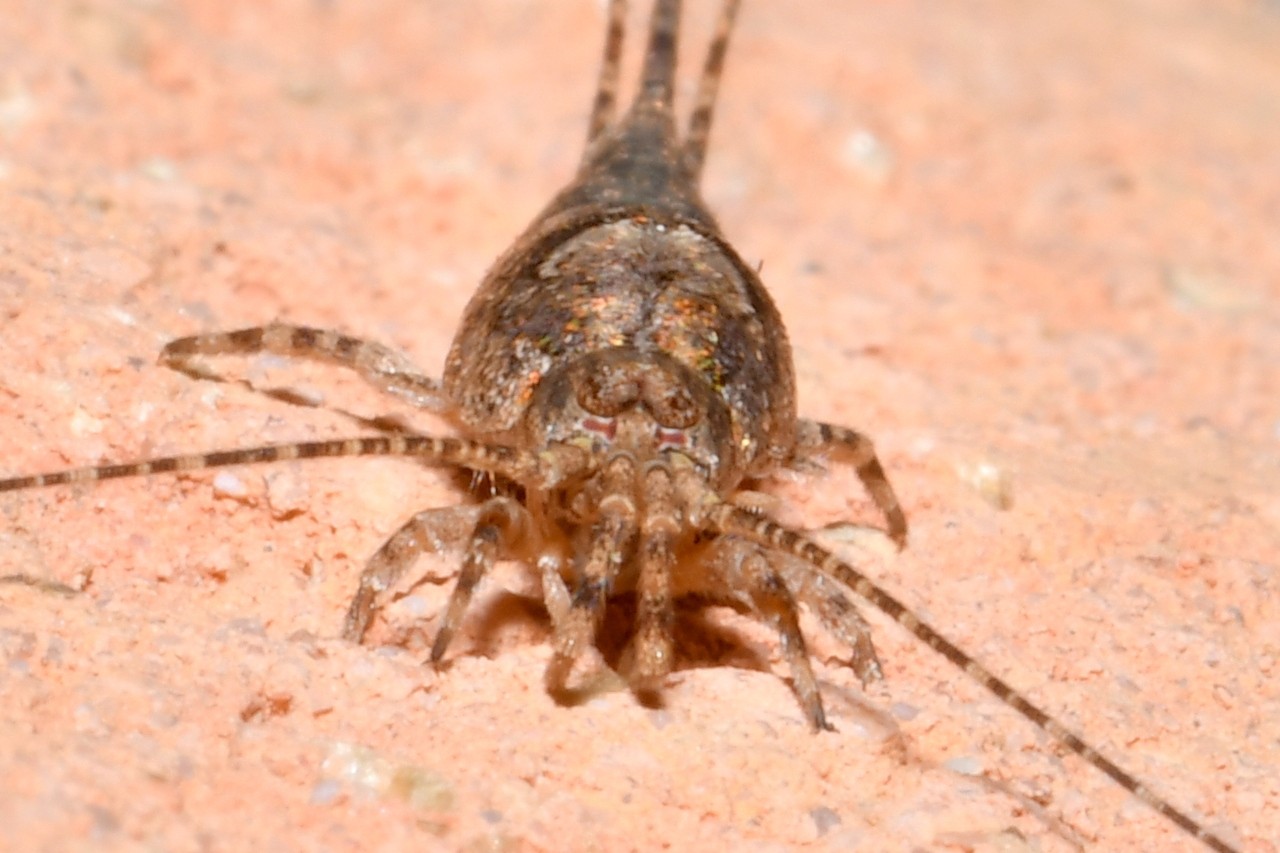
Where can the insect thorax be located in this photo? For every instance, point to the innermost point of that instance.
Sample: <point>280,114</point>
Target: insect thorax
<point>584,320</point>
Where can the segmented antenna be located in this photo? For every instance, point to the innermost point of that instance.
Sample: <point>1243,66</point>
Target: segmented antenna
<point>729,519</point>
<point>459,452</point>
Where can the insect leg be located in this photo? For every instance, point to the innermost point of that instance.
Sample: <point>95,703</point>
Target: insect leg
<point>738,564</point>
<point>428,532</point>
<point>612,536</point>
<point>694,149</point>
<point>602,110</point>
<point>850,447</point>
<point>837,613</point>
<point>655,614</point>
<point>501,526</point>
<point>379,365</point>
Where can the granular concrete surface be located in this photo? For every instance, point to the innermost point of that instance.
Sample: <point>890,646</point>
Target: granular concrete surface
<point>1031,248</point>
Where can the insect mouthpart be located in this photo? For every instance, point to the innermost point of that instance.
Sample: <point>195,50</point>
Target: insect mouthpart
<point>624,399</point>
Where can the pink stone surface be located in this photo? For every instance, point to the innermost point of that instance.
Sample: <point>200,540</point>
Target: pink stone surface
<point>1030,248</point>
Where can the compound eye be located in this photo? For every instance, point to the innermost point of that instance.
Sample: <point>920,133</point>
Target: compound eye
<point>673,406</point>
<point>607,392</point>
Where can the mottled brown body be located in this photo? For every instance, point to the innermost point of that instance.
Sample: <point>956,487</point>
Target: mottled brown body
<point>641,279</point>
<point>619,374</point>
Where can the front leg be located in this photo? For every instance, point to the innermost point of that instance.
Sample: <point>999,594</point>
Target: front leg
<point>826,599</point>
<point>609,543</point>
<point>380,366</point>
<point>849,447</point>
<point>746,576</point>
<point>493,530</point>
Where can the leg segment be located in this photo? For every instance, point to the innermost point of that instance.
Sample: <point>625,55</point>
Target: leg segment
<point>428,532</point>
<point>851,447</point>
<point>825,598</point>
<point>739,565</point>
<point>555,595</point>
<point>651,650</point>
<point>695,141</point>
<point>602,111</point>
<point>611,538</point>
<point>380,366</point>
<point>501,526</point>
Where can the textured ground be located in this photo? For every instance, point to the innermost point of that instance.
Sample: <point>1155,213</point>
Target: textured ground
<point>1031,248</point>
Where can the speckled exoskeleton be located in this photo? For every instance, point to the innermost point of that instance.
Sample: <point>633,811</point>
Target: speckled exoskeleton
<point>620,379</point>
